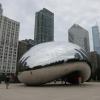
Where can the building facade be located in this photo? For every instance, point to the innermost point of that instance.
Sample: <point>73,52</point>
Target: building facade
<point>9,32</point>
<point>94,58</point>
<point>79,36</point>
<point>96,39</point>
<point>95,62</point>
<point>44,26</point>
<point>23,47</point>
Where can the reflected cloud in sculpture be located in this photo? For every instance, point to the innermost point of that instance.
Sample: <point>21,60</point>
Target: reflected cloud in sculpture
<point>49,61</point>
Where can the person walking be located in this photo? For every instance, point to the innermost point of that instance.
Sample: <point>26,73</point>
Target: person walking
<point>7,79</point>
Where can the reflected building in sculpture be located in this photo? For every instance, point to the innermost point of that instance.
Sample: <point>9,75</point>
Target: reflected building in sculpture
<point>79,36</point>
<point>44,26</point>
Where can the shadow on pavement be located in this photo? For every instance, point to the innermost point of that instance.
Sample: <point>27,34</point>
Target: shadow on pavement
<point>58,85</point>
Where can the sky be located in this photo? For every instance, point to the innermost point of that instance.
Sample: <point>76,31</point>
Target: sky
<point>66,13</point>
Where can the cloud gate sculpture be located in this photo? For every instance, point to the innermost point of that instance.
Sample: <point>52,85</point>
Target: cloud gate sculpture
<point>50,61</point>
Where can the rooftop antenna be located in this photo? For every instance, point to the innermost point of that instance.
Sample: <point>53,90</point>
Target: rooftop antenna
<point>96,23</point>
<point>98,28</point>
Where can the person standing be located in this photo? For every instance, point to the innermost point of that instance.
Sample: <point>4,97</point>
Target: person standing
<point>7,80</point>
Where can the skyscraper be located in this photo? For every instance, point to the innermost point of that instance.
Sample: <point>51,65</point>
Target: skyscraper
<point>79,36</point>
<point>44,26</point>
<point>1,10</point>
<point>9,32</point>
<point>96,38</point>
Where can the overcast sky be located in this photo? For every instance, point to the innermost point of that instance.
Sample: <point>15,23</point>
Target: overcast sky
<point>66,12</point>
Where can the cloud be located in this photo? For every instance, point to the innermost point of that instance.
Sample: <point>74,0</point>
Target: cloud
<point>67,12</point>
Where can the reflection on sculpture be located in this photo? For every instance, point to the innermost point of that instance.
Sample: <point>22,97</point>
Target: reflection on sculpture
<point>49,61</point>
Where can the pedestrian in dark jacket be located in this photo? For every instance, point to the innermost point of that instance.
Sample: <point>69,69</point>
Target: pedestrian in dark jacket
<point>7,79</point>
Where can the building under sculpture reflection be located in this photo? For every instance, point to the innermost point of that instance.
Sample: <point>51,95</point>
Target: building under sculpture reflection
<point>50,61</point>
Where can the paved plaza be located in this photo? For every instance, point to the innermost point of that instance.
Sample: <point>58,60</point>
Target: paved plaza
<point>86,91</point>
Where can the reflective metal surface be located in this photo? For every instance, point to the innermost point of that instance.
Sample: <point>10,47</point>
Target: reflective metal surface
<point>51,52</point>
<point>48,55</point>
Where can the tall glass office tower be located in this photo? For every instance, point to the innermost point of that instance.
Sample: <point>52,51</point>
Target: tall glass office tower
<point>44,26</point>
<point>96,38</point>
<point>79,36</point>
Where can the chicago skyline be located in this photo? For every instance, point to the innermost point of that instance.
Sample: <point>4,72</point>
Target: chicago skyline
<point>66,13</point>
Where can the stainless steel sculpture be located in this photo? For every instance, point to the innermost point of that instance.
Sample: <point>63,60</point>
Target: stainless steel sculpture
<point>49,61</point>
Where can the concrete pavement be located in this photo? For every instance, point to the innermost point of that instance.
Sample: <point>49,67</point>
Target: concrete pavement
<point>86,91</point>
